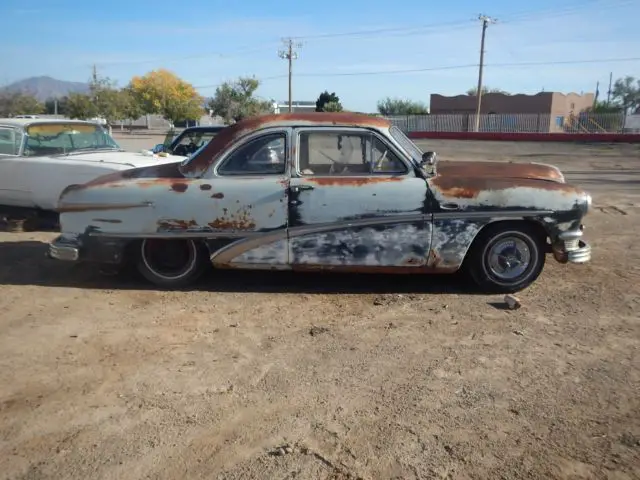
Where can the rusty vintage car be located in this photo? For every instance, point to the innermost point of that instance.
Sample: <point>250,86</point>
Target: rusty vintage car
<point>315,191</point>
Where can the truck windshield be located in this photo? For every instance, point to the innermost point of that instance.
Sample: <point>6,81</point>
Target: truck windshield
<point>63,138</point>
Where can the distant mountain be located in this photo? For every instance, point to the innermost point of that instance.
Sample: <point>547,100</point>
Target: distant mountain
<point>44,88</point>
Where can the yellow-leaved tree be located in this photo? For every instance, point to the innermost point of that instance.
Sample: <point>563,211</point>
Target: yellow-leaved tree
<point>163,93</point>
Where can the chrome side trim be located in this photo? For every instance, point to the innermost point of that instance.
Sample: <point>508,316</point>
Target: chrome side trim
<point>493,214</point>
<point>176,234</point>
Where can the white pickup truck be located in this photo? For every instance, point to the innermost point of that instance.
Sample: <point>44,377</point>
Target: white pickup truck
<point>40,157</point>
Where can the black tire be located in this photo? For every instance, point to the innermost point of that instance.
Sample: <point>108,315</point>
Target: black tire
<point>484,272</point>
<point>191,263</point>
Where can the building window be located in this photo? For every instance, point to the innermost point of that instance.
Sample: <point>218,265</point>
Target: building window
<point>559,121</point>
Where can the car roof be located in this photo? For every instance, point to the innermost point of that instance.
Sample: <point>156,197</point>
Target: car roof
<point>299,119</point>
<point>23,122</point>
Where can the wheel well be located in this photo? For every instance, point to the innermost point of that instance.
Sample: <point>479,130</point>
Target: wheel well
<point>540,231</point>
<point>131,248</point>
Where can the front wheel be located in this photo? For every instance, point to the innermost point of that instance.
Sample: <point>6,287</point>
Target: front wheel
<point>171,263</point>
<point>506,258</point>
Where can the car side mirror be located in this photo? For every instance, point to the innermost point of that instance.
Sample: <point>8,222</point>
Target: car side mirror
<point>428,158</point>
<point>158,148</point>
<point>428,163</point>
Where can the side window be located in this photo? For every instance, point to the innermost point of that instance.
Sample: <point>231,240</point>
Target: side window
<point>384,160</point>
<point>260,156</point>
<point>347,154</point>
<point>10,141</point>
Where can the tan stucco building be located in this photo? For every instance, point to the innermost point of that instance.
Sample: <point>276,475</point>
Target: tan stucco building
<point>554,108</point>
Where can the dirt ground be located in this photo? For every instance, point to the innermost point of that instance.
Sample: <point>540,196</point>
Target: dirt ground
<point>281,376</point>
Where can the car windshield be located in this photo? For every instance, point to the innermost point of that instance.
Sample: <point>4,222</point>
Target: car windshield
<point>406,143</point>
<point>64,138</point>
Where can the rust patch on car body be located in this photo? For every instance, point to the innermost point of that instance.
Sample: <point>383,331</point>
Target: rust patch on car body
<point>175,224</point>
<point>470,169</point>
<point>218,195</point>
<point>205,186</point>
<point>179,187</point>
<point>351,181</point>
<point>229,135</point>
<point>471,187</point>
<point>232,224</point>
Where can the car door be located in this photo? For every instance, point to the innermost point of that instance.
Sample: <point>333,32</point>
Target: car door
<point>14,189</point>
<point>249,189</point>
<point>355,203</point>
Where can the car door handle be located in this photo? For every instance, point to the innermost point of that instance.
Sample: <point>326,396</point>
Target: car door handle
<point>299,188</point>
<point>449,206</point>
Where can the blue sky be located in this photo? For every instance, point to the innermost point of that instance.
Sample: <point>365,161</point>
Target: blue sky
<point>207,42</point>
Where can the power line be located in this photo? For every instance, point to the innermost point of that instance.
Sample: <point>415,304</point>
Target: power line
<point>470,65</point>
<point>442,68</point>
<point>389,31</point>
<point>290,55</point>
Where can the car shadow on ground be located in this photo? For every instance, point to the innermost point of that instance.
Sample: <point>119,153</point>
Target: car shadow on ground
<point>25,263</point>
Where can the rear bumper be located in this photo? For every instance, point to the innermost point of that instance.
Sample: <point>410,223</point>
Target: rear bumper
<point>570,248</point>
<point>64,249</point>
<point>85,248</point>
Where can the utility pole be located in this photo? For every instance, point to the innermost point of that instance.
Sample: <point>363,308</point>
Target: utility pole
<point>485,23</point>
<point>290,55</point>
<point>609,91</point>
<point>595,97</point>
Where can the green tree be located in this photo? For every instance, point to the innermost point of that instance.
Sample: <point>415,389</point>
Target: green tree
<point>234,101</point>
<point>474,91</point>
<point>81,106</point>
<point>396,106</point>
<point>19,103</point>
<point>603,107</point>
<point>164,93</point>
<point>332,107</point>
<point>626,93</point>
<point>324,98</point>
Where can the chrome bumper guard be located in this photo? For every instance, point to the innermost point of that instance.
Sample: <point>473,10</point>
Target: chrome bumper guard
<point>64,249</point>
<point>571,249</point>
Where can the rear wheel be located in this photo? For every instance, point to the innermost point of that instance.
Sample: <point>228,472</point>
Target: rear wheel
<point>171,263</point>
<point>506,258</point>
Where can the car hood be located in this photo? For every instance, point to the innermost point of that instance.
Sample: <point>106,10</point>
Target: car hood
<point>133,159</point>
<point>505,170</point>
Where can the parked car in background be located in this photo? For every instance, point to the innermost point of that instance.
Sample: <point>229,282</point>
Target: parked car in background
<point>326,191</point>
<point>40,157</point>
<point>189,140</point>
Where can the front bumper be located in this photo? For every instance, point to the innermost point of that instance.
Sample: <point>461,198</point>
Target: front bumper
<point>570,248</point>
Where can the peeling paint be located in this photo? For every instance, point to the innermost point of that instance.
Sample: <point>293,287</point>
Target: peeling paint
<point>351,181</point>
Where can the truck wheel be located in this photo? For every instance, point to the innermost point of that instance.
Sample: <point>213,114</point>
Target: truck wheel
<point>506,258</point>
<point>171,263</point>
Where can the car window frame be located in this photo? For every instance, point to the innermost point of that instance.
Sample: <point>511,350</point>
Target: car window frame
<point>400,154</point>
<point>15,131</point>
<point>214,170</point>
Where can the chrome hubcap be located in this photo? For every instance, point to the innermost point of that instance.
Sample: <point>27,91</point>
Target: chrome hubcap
<point>509,258</point>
